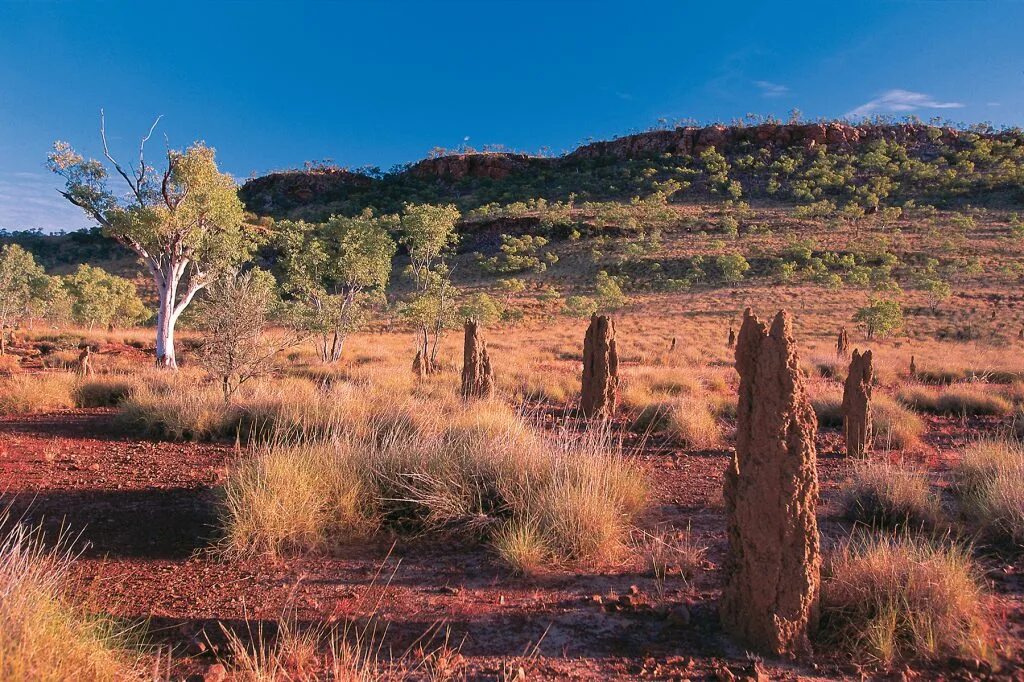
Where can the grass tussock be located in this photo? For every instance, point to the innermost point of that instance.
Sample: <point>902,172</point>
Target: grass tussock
<point>33,393</point>
<point>881,494</point>
<point>107,390</point>
<point>478,471</point>
<point>44,635</point>
<point>990,486</point>
<point>956,400</point>
<point>889,598</point>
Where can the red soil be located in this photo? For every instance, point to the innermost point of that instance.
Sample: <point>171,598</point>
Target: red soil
<point>144,517</point>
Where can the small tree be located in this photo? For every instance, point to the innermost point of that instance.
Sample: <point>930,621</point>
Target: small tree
<point>51,303</point>
<point>428,232</point>
<point>333,269</point>
<point>99,298</point>
<point>609,295</point>
<point>235,316</point>
<point>184,223</point>
<point>22,281</point>
<point>880,317</point>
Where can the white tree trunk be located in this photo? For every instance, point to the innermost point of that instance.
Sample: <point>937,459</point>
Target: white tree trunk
<point>165,319</point>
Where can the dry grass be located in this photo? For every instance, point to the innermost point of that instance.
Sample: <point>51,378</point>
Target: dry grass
<point>478,471</point>
<point>957,400</point>
<point>881,494</point>
<point>32,393</point>
<point>990,485</point>
<point>44,635</point>
<point>899,597</point>
<point>895,426</point>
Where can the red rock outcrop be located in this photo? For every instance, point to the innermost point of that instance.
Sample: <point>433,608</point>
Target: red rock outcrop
<point>600,369</point>
<point>857,404</point>
<point>772,570</point>
<point>495,165</point>
<point>690,140</point>
<point>477,374</point>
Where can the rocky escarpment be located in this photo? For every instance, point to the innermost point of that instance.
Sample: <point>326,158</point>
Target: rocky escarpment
<point>690,140</point>
<point>494,165</point>
<point>270,194</point>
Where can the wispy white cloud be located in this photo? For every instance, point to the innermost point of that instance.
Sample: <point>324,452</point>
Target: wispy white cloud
<point>30,200</point>
<point>901,101</point>
<point>769,89</point>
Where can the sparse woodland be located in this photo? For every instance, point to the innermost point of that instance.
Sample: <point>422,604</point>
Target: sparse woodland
<point>496,416</point>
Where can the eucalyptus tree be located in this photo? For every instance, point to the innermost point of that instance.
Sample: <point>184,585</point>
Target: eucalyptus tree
<point>185,221</point>
<point>22,281</point>
<point>333,269</point>
<point>429,235</point>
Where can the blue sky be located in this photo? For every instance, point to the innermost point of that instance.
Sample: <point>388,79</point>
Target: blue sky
<point>273,84</point>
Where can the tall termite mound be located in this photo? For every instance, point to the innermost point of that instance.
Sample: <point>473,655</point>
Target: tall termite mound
<point>773,567</point>
<point>842,343</point>
<point>600,368</point>
<point>477,374</point>
<point>857,404</point>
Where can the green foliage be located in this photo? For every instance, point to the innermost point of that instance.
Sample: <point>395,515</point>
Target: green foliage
<point>335,270</point>
<point>481,307</point>
<point>880,317</point>
<point>428,232</point>
<point>99,298</point>
<point>22,281</point>
<point>519,254</point>
<point>730,267</point>
<point>608,292</point>
<point>580,306</point>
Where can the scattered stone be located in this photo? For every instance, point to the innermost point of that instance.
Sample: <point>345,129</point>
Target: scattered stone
<point>215,673</point>
<point>842,344</point>
<point>857,425</point>
<point>772,570</point>
<point>477,373</point>
<point>600,369</point>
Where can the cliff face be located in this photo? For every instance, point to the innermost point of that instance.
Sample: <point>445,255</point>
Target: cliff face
<point>272,193</point>
<point>493,165</point>
<point>692,140</point>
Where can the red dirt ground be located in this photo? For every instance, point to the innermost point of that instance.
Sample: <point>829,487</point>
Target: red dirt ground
<point>144,515</point>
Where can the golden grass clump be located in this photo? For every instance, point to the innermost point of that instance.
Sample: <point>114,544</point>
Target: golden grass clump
<point>990,485</point>
<point>882,494</point>
<point>32,393</point>
<point>693,422</point>
<point>44,634</point>
<point>956,400</point>
<point>889,598</point>
<point>107,390</point>
<point>478,471</point>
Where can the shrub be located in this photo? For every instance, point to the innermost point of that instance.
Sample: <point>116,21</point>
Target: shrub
<point>580,306</point>
<point>44,634</point>
<point>889,495</point>
<point>897,597</point>
<point>990,485</point>
<point>881,317</point>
